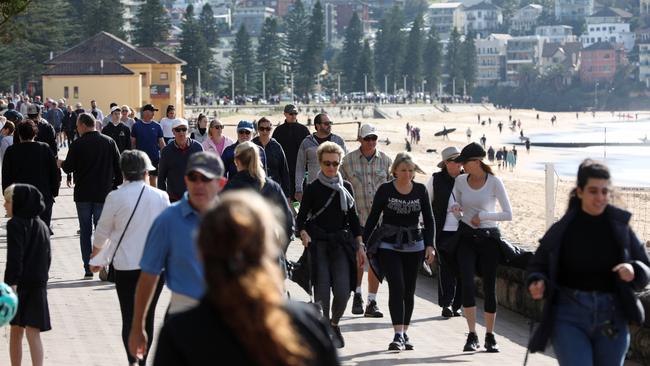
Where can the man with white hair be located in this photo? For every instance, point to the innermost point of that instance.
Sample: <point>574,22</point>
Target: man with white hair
<point>173,160</point>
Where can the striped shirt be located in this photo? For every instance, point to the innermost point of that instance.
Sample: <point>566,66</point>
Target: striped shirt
<point>365,177</point>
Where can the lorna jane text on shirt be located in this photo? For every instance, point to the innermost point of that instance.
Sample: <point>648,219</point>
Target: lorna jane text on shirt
<point>403,207</point>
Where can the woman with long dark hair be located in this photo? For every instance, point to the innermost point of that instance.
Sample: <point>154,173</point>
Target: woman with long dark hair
<point>587,267</point>
<point>244,316</point>
<point>477,193</point>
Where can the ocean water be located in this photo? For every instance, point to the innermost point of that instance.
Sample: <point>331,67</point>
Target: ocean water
<point>630,165</point>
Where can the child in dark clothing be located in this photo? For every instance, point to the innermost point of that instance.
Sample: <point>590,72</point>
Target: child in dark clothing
<point>28,263</point>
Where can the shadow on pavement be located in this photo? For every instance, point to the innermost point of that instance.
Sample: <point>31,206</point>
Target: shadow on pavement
<point>400,361</point>
<point>78,284</point>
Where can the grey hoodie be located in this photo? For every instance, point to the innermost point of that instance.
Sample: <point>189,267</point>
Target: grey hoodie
<point>307,158</point>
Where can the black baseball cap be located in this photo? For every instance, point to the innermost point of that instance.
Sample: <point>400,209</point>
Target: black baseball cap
<point>149,107</point>
<point>471,151</point>
<point>206,163</point>
<point>290,108</point>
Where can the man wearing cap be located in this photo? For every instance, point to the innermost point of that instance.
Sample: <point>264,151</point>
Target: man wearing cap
<point>307,159</point>
<point>12,114</point>
<point>440,187</point>
<point>290,135</point>
<point>127,216</point>
<point>170,246</point>
<point>117,130</point>
<point>107,119</point>
<point>95,162</point>
<point>147,135</point>
<point>173,160</point>
<point>167,123</point>
<point>366,169</point>
<point>46,132</point>
<point>244,133</point>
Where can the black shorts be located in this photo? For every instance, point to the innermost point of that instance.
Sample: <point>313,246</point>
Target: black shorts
<point>154,172</point>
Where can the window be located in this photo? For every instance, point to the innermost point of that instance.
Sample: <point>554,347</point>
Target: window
<point>164,76</point>
<point>66,92</point>
<point>75,94</point>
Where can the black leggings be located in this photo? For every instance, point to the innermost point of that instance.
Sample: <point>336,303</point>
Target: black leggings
<point>484,253</point>
<point>125,284</point>
<point>401,271</point>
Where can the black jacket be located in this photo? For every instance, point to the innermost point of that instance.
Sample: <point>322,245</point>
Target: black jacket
<point>47,135</point>
<point>290,136</point>
<point>121,134</point>
<point>443,185</point>
<point>200,336</point>
<point>95,162</point>
<point>276,164</point>
<point>32,163</point>
<point>28,240</point>
<point>271,191</point>
<point>544,266</point>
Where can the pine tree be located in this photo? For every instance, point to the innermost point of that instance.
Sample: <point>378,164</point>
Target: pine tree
<point>469,65</point>
<point>208,26</point>
<point>389,47</point>
<point>381,51</point>
<point>296,24</point>
<point>11,9</point>
<point>432,60</point>
<point>365,69</point>
<point>193,49</point>
<point>267,58</point>
<point>311,61</point>
<point>349,56</point>
<point>151,24</point>
<point>242,63</point>
<point>102,15</point>
<point>453,62</point>
<point>413,61</point>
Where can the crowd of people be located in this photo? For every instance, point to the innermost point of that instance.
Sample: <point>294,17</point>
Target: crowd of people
<point>143,188</point>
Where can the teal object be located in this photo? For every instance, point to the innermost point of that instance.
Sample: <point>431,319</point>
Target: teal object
<point>8,304</point>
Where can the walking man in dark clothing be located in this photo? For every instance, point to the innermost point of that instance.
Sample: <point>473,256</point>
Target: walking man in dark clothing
<point>173,160</point>
<point>290,135</point>
<point>46,132</point>
<point>244,133</point>
<point>118,131</point>
<point>95,161</point>
<point>31,162</point>
<point>147,135</point>
<point>276,161</point>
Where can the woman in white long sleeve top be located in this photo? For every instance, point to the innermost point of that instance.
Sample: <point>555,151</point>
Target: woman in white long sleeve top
<point>477,193</point>
<point>141,204</point>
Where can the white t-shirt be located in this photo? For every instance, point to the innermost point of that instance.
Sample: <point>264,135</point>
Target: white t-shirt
<point>483,201</point>
<point>166,124</point>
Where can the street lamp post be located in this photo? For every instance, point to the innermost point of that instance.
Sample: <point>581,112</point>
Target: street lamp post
<point>264,85</point>
<point>365,84</point>
<point>338,85</point>
<point>385,84</point>
<point>405,76</point>
<point>595,96</point>
<point>232,86</point>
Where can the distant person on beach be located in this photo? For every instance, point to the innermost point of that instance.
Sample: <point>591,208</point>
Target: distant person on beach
<point>468,132</point>
<point>500,158</point>
<point>500,125</point>
<point>477,193</point>
<point>589,303</point>
<point>527,143</point>
<point>511,159</point>
<point>490,154</point>
<point>483,140</point>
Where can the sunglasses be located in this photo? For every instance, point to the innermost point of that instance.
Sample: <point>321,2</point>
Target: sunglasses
<point>218,127</point>
<point>125,111</point>
<point>180,129</point>
<point>264,128</point>
<point>370,138</point>
<point>195,177</point>
<point>330,163</point>
<point>327,123</point>
<point>244,132</point>
<point>293,114</point>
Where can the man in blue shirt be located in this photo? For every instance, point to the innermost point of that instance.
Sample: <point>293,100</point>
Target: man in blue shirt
<point>147,136</point>
<point>245,131</point>
<point>170,246</point>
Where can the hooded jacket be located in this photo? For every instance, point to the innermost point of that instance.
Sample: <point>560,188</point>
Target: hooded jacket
<point>545,266</point>
<point>28,240</point>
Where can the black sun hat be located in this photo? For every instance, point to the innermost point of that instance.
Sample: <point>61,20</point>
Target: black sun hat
<point>471,151</point>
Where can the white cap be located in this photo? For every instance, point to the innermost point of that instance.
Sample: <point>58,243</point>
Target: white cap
<point>367,129</point>
<point>179,122</point>
<point>116,108</point>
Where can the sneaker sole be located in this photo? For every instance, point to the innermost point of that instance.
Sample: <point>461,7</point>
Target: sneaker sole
<point>409,348</point>
<point>492,350</point>
<point>357,312</point>
<point>395,347</point>
<point>368,315</point>
<point>471,349</point>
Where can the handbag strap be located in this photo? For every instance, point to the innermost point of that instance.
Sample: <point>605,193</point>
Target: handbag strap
<point>127,225</point>
<point>329,200</point>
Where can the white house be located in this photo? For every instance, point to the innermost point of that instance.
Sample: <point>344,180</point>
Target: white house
<point>446,16</point>
<point>483,18</point>
<point>524,50</point>
<point>524,19</point>
<point>609,25</point>
<point>491,59</point>
<point>644,63</point>
<point>570,10</point>
<point>556,33</point>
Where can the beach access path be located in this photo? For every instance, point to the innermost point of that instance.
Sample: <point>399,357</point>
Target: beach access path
<point>86,321</point>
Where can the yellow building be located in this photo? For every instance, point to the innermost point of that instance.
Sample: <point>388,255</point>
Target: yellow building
<point>108,69</point>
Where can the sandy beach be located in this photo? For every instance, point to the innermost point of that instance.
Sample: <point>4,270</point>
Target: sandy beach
<point>525,185</point>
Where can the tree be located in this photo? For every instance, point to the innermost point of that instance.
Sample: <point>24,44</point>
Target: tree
<point>242,63</point>
<point>389,47</point>
<point>151,25</point>
<point>349,56</point>
<point>453,61</point>
<point>10,9</point>
<point>365,69</point>
<point>295,26</point>
<point>468,57</point>
<point>413,61</point>
<point>193,49</point>
<point>102,15</point>
<point>432,60</point>
<point>267,60</point>
<point>208,26</point>
<point>311,61</point>
<point>414,8</point>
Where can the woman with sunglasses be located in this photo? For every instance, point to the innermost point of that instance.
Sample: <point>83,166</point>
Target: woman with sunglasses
<point>216,141</point>
<point>126,116</point>
<point>200,131</point>
<point>277,167</point>
<point>589,302</point>
<point>477,192</point>
<point>330,230</point>
<point>397,247</point>
<point>251,175</point>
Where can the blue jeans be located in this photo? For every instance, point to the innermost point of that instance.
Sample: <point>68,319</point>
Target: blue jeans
<point>589,329</point>
<point>88,214</point>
